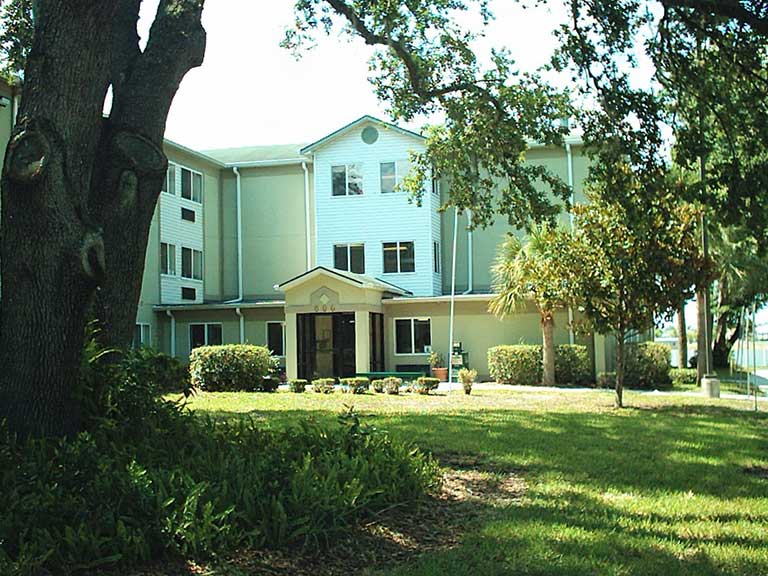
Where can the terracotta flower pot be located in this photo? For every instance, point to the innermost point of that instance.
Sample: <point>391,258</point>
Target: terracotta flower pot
<point>440,373</point>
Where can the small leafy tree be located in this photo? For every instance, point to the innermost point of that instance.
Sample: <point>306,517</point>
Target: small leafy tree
<point>534,272</point>
<point>631,262</point>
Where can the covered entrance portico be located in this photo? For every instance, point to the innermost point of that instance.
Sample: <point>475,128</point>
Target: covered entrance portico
<point>334,323</point>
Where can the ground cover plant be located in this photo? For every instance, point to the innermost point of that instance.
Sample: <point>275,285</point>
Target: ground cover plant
<point>674,485</point>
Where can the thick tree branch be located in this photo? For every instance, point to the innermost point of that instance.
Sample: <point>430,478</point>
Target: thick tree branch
<point>732,9</point>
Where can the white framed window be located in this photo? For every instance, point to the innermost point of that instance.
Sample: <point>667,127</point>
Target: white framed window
<point>209,334</point>
<point>436,257</point>
<point>167,259</point>
<point>191,263</point>
<point>349,257</point>
<point>276,337</point>
<point>191,185</point>
<point>142,336</point>
<point>391,174</point>
<point>399,257</point>
<point>169,182</point>
<point>347,180</point>
<point>412,335</point>
<point>436,186</point>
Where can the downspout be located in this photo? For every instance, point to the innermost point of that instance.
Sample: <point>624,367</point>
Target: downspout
<point>470,250</point>
<point>569,161</point>
<point>239,235</point>
<point>453,299</point>
<point>173,332</point>
<point>242,324</point>
<point>306,215</point>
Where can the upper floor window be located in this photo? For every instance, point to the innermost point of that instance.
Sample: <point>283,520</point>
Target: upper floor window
<point>169,182</point>
<point>191,263</point>
<point>392,174</point>
<point>167,259</point>
<point>399,257</point>
<point>276,338</point>
<point>204,335</point>
<point>350,257</point>
<point>436,186</point>
<point>436,257</point>
<point>347,180</point>
<point>191,185</point>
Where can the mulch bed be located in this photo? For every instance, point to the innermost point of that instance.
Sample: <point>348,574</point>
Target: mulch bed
<point>394,536</point>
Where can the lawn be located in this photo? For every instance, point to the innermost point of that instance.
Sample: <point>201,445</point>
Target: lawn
<point>672,485</point>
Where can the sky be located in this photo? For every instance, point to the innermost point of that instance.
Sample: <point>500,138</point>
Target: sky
<point>250,91</point>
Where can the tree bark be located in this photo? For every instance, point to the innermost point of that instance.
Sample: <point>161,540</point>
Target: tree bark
<point>682,338</point>
<point>620,363</point>
<point>78,193</point>
<point>548,349</point>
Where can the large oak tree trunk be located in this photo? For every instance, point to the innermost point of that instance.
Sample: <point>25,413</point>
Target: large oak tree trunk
<point>78,193</point>
<point>548,349</point>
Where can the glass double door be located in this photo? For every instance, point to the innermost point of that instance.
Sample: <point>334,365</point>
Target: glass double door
<point>326,345</point>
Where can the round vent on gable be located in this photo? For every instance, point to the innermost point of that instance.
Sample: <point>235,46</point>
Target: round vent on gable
<point>370,135</point>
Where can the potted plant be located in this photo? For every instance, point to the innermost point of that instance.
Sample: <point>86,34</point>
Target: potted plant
<point>467,378</point>
<point>437,363</point>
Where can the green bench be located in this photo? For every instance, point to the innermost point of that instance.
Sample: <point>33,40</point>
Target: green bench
<point>382,375</point>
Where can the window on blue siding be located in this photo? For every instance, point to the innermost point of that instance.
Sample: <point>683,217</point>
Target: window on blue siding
<point>169,182</point>
<point>350,257</point>
<point>191,263</point>
<point>388,177</point>
<point>347,180</point>
<point>191,185</point>
<point>399,257</point>
<point>436,256</point>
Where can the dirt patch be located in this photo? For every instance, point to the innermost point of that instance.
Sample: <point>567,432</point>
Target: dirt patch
<point>394,536</point>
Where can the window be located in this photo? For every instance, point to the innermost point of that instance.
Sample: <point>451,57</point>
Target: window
<point>347,180</point>
<point>412,335</point>
<point>436,257</point>
<point>141,336</point>
<point>388,177</point>
<point>436,186</point>
<point>191,263</point>
<point>169,183</point>
<point>167,259</point>
<point>350,257</point>
<point>188,293</point>
<point>204,335</point>
<point>191,185</point>
<point>276,338</point>
<point>187,214</point>
<point>399,257</point>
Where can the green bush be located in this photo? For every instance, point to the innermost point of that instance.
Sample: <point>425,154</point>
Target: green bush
<point>297,385</point>
<point>515,364</point>
<point>606,380</point>
<point>572,365</point>
<point>683,377</point>
<point>377,386</point>
<point>161,371</point>
<point>648,366</point>
<point>392,385</point>
<point>324,385</point>
<point>232,367</point>
<point>425,384</point>
<point>522,364</point>
<point>191,486</point>
<point>354,385</point>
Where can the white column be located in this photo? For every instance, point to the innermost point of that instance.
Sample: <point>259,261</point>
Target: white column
<point>291,347</point>
<point>362,341</point>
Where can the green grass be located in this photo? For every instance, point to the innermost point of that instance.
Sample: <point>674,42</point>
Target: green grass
<point>657,488</point>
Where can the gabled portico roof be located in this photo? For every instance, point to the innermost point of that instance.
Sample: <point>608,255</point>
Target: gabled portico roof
<point>308,149</point>
<point>357,280</point>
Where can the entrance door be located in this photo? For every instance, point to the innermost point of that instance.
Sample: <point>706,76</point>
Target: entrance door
<point>326,345</point>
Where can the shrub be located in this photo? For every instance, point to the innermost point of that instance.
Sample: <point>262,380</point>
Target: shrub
<point>161,371</point>
<point>425,384</point>
<point>572,365</point>
<point>515,364</point>
<point>606,380</point>
<point>683,377</point>
<point>324,385</point>
<point>232,367</point>
<point>392,385</point>
<point>297,385</point>
<point>648,366</point>
<point>467,378</point>
<point>436,359</point>
<point>377,385</point>
<point>354,385</point>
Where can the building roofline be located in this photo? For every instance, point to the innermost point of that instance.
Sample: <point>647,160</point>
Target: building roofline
<point>366,118</point>
<point>438,299</point>
<point>218,306</point>
<point>268,163</point>
<point>195,153</point>
<point>358,280</point>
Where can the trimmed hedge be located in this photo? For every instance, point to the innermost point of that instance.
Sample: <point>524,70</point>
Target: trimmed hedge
<point>354,385</point>
<point>324,385</point>
<point>378,386</point>
<point>392,385</point>
<point>648,366</point>
<point>298,385</point>
<point>425,384</point>
<point>683,376</point>
<point>232,367</point>
<point>522,364</point>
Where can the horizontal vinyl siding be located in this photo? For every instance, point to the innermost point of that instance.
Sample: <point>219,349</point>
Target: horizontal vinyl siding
<point>373,218</point>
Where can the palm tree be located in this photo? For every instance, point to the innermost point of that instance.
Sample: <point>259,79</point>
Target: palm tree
<point>534,272</point>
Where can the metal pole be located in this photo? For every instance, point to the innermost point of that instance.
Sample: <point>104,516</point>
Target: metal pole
<point>453,298</point>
